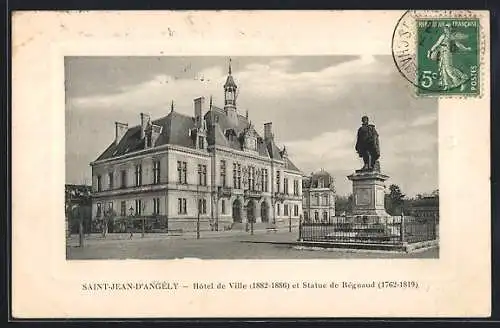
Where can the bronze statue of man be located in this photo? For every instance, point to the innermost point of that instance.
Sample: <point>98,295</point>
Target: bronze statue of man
<point>367,145</point>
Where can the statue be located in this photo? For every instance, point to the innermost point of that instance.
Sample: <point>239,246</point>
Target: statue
<point>367,145</point>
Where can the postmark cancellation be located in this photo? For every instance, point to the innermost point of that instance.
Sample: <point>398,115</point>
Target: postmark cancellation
<point>440,54</point>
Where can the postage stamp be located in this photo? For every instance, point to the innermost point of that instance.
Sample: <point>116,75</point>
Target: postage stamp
<point>447,56</point>
<point>231,164</point>
<point>439,53</point>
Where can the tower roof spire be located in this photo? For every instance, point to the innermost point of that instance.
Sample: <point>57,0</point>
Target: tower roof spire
<point>172,106</point>
<point>230,81</point>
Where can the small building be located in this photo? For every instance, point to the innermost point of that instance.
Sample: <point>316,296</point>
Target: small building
<point>318,200</point>
<point>426,206</point>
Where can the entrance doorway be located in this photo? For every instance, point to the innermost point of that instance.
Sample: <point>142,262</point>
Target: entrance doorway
<point>237,211</point>
<point>264,211</point>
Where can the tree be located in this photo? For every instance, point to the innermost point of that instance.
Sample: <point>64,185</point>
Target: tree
<point>109,216</point>
<point>394,201</point>
<point>343,204</point>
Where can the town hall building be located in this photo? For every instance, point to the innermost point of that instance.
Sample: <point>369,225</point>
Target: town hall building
<point>213,164</point>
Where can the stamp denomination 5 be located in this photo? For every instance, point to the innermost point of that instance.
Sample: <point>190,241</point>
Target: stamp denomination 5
<point>439,53</point>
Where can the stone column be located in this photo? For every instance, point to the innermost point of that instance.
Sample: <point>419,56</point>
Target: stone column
<point>257,211</point>
<point>243,211</point>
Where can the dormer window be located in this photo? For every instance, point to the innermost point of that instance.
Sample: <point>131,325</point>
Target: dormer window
<point>201,142</point>
<point>147,137</point>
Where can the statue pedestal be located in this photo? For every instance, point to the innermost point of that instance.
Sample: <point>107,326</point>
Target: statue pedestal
<point>368,195</point>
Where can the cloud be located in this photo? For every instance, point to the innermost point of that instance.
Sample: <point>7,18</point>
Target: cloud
<point>425,120</point>
<point>402,150</point>
<point>273,81</point>
<point>327,150</point>
<point>255,80</point>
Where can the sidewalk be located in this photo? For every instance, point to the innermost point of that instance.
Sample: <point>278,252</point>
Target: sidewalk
<point>265,236</point>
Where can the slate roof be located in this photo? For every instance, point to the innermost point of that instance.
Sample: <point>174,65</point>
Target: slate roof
<point>290,166</point>
<point>230,82</point>
<point>314,180</point>
<point>176,127</point>
<point>223,127</point>
<point>175,131</point>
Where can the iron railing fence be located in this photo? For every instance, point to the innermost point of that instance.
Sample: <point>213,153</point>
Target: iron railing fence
<point>124,224</point>
<point>151,224</point>
<point>390,230</point>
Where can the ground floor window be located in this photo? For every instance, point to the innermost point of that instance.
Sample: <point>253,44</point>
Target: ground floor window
<point>202,206</point>
<point>285,207</point>
<point>98,211</point>
<point>278,209</point>
<point>181,206</point>
<point>156,205</point>
<point>325,216</point>
<point>223,206</point>
<point>316,216</point>
<point>296,210</point>
<point>123,208</point>
<point>138,207</point>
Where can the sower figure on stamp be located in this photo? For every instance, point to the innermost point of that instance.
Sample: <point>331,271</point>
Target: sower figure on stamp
<point>367,145</point>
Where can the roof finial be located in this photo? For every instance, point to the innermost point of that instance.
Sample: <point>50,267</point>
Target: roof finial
<point>210,102</point>
<point>172,106</point>
<point>229,71</point>
<point>246,114</point>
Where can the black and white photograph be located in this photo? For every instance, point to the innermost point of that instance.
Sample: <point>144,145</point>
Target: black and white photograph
<point>289,157</point>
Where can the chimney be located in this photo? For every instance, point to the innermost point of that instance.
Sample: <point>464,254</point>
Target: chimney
<point>144,124</point>
<point>120,130</point>
<point>268,131</point>
<point>199,108</point>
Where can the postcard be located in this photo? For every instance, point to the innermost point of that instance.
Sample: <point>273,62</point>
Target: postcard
<point>251,164</point>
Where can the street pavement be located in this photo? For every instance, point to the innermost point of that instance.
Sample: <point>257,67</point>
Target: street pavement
<point>215,245</point>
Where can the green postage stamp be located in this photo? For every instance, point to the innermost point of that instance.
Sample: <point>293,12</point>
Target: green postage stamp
<point>439,52</point>
<point>448,56</point>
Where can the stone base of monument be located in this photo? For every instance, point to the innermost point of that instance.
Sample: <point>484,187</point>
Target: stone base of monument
<point>369,220</point>
<point>398,247</point>
<point>368,191</point>
<point>368,228</point>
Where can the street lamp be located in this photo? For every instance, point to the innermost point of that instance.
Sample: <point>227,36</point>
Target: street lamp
<point>245,184</point>
<point>80,227</point>
<point>199,203</point>
<point>290,221</point>
<point>131,210</point>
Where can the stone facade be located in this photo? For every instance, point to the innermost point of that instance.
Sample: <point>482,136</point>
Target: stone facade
<point>319,197</point>
<point>214,164</point>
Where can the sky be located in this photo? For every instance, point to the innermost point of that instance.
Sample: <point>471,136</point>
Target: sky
<point>314,102</point>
